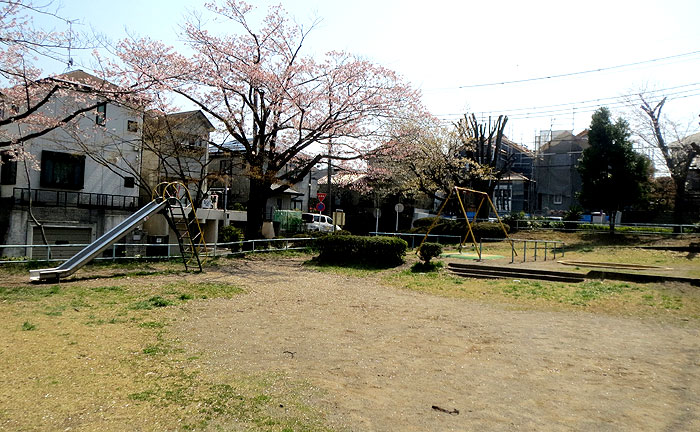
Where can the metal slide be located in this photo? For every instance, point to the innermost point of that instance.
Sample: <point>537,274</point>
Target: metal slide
<point>98,246</point>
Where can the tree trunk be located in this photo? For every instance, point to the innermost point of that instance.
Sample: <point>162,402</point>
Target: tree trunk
<point>488,187</point>
<point>31,213</point>
<point>613,216</point>
<point>679,205</point>
<point>259,193</point>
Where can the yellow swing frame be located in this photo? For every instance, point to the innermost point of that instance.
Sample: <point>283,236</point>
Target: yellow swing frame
<point>470,233</point>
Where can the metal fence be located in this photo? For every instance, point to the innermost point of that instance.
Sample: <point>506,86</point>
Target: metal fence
<point>162,251</point>
<point>583,226</point>
<point>544,246</point>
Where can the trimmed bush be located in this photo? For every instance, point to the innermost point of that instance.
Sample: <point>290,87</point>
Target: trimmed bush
<point>424,222</point>
<point>488,230</point>
<point>429,251</point>
<point>230,234</point>
<point>512,219</point>
<point>371,251</point>
<point>426,267</point>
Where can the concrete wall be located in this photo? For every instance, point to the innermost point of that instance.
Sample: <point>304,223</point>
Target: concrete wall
<point>22,226</point>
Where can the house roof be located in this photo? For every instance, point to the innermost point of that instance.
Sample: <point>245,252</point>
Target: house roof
<point>284,189</point>
<point>343,178</point>
<point>513,176</point>
<point>192,115</point>
<point>196,115</point>
<point>86,82</point>
<point>186,122</point>
<point>81,77</point>
<point>694,138</point>
<point>230,145</point>
<point>562,137</point>
<point>516,146</point>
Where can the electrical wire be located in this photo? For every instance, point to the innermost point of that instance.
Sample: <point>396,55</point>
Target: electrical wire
<point>580,105</point>
<point>569,74</point>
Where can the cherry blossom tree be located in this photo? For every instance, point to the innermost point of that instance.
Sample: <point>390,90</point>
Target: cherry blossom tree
<point>422,158</point>
<point>261,91</point>
<point>428,158</point>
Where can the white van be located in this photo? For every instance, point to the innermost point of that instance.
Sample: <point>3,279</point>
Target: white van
<point>318,222</point>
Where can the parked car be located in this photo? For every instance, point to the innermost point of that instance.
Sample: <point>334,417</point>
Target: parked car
<point>318,222</point>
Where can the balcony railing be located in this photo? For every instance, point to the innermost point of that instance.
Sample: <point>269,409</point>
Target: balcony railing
<point>53,198</point>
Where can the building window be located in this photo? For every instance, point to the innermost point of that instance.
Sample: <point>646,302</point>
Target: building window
<point>557,199</point>
<point>8,175</point>
<point>192,144</point>
<point>225,166</point>
<point>62,170</point>
<point>101,117</point>
<point>132,126</point>
<point>129,182</point>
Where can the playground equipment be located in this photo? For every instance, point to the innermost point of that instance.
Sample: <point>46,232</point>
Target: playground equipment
<point>174,198</point>
<point>484,197</point>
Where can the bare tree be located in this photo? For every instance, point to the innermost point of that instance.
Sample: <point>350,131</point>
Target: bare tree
<point>678,155</point>
<point>483,144</point>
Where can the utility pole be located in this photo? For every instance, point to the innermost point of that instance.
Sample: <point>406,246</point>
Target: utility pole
<point>330,193</point>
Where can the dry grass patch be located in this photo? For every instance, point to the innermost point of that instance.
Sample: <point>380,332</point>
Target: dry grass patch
<point>98,354</point>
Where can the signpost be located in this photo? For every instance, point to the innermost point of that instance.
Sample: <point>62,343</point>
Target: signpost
<point>399,208</point>
<point>338,218</point>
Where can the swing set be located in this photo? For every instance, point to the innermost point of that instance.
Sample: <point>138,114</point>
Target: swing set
<point>470,233</point>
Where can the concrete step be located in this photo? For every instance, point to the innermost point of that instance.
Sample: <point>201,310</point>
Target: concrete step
<point>467,270</point>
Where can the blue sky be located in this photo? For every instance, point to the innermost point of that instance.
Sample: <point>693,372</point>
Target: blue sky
<point>442,46</point>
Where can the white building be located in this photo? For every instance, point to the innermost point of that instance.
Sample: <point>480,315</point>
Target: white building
<point>86,183</point>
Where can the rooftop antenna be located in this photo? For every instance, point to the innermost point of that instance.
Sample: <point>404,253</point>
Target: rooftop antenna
<point>69,63</point>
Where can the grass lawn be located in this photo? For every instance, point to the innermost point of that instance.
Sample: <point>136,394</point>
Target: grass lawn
<point>627,249</point>
<point>667,302</point>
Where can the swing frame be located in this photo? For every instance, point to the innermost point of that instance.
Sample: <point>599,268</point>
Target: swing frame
<point>484,197</point>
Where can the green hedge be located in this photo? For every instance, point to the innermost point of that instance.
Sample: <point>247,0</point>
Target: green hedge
<point>628,229</point>
<point>372,251</point>
<point>425,222</point>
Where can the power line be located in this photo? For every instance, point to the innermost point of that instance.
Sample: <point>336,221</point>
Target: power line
<point>590,108</point>
<point>576,73</point>
<point>583,106</point>
<point>615,98</point>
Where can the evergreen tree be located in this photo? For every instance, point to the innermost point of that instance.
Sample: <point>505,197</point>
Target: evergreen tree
<point>613,175</point>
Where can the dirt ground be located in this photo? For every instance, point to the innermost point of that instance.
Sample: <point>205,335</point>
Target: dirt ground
<point>387,359</point>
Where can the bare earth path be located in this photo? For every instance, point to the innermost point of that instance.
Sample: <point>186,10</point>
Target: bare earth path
<point>384,356</point>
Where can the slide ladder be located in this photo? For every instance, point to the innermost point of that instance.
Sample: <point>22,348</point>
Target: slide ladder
<point>182,218</point>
